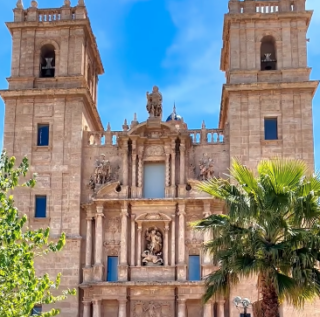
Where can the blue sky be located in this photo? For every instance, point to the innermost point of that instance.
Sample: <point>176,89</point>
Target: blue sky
<point>174,44</point>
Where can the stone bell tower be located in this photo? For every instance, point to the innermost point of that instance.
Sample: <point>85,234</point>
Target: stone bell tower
<point>267,100</point>
<point>50,100</point>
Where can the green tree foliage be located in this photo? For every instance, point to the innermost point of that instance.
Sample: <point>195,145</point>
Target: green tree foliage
<point>271,231</point>
<point>20,288</point>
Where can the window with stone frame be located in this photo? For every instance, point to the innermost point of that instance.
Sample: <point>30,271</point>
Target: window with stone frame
<point>194,268</point>
<point>271,128</point>
<point>47,61</point>
<point>40,207</point>
<point>43,135</point>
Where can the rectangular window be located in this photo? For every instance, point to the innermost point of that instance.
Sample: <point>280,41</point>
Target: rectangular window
<point>41,207</point>
<point>36,311</point>
<point>43,135</point>
<point>154,180</point>
<point>194,268</point>
<point>270,128</point>
<point>112,269</point>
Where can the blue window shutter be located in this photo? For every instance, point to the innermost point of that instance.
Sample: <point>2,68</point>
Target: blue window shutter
<point>194,268</point>
<point>43,135</point>
<point>41,207</point>
<point>112,269</point>
<point>270,129</point>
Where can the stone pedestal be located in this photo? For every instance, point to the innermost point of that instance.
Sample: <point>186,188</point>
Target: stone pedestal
<point>98,270</point>
<point>87,274</point>
<point>182,191</point>
<point>182,272</point>
<point>123,273</point>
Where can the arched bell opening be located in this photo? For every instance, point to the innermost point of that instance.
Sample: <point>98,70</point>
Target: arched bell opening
<point>47,61</point>
<point>268,53</point>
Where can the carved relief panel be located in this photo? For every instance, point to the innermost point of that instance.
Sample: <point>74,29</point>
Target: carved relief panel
<point>152,309</point>
<point>112,235</point>
<point>194,239</point>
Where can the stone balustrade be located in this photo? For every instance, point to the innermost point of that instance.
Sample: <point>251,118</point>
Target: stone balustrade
<point>207,136</point>
<point>50,15</point>
<point>110,138</point>
<point>266,7</point>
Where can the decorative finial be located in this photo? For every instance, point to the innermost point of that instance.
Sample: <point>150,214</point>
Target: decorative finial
<point>81,3</point>
<point>125,125</point>
<point>67,3</point>
<point>174,108</point>
<point>19,4</point>
<point>108,127</point>
<point>203,125</point>
<point>34,4</point>
<point>135,117</point>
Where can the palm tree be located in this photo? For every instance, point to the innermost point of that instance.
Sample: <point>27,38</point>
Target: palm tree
<point>271,231</point>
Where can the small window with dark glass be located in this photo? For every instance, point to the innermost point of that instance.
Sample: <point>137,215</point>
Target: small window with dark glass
<point>41,207</point>
<point>36,310</point>
<point>270,128</point>
<point>43,135</point>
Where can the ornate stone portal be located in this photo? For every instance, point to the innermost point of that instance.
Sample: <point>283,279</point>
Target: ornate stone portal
<point>154,242</point>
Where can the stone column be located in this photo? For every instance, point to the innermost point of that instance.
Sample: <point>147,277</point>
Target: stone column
<point>182,163</point>
<point>140,173</point>
<point>133,242</point>
<point>134,170</point>
<point>220,308</point>
<point>96,308</point>
<point>124,235</point>
<point>98,265</point>
<point>182,268</point>
<point>208,310</point>
<point>123,265</point>
<point>166,245</point>
<point>173,165</point>
<point>173,241</point>
<point>139,245</point>
<point>125,163</point>
<point>207,236</point>
<point>122,308</point>
<point>167,169</point>
<point>89,242</point>
<point>181,307</point>
<point>86,309</point>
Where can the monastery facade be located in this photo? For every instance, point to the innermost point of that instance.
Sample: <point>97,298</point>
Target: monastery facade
<point>125,198</point>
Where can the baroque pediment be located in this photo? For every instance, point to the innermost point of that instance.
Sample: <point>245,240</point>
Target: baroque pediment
<point>153,217</point>
<point>108,190</point>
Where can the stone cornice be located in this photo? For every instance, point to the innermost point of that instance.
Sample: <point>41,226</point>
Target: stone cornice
<point>261,86</point>
<point>64,92</point>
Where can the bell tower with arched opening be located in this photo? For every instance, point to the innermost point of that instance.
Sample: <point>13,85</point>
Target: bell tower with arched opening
<point>50,102</point>
<point>267,99</point>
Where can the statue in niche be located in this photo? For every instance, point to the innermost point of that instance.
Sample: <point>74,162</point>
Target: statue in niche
<point>206,168</point>
<point>154,105</point>
<point>152,255</point>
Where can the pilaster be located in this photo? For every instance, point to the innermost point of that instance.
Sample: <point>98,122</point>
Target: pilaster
<point>182,267</point>
<point>123,266</point>
<point>122,308</point>
<point>98,265</point>
<point>181,307</point>
<point>96,308</point>
<point>86,309</point>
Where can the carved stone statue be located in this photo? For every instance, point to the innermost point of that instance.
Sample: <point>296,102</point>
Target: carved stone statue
<point>154,105</point>
<point>102,172</point>
<point>152,255</point>
<point>206,168</point>
<point>151,309</point>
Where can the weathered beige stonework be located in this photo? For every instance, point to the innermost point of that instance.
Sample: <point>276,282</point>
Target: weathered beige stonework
<point>94,179</point>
